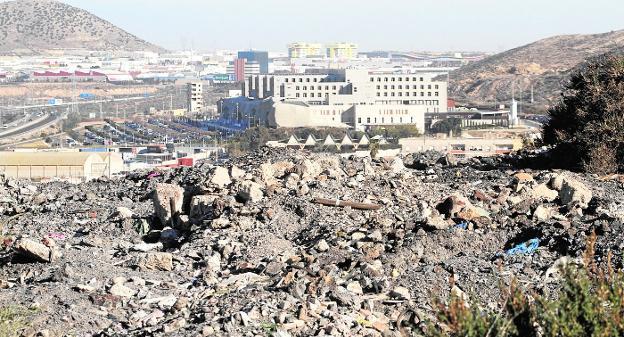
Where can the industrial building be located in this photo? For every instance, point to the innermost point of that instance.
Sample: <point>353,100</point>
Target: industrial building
<point>73,166</point>
<point>337,98</point>
<point>195,92</point>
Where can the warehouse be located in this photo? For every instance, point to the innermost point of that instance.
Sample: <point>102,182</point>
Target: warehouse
<point>45,165</point>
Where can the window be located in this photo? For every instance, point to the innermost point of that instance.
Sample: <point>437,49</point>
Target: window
<point>378,87</point>
<point>378,94</point>
<point>316,80</point>
<point>334,87</point>
<point>429,94</point>
<point>400,94</point>
<point>422,79</point>
<point>385,94</point>
<point>305,95</point>
<point>308,79</point>
<point>415,94</point>
<point>319,95</point>
<point>429,87</point>
<point>400,87</point>
<point>327,87</point>
<point>368,120</point>
<point>407,94</point>
<point>297,87</point>
<point>392,94</point>
<point>393,79</point>
<point>300,79</point>
<point>385,79</point>
<point>422,87</point>
<point>320,88</point>
<point>414,79</point>
<point>400,79</point>
<point>422,94</point>
<point>407,79</point>
<point>400,119</point>
<point>286,81</point>
<point>359,120</point>
<point>437,86</point>
<point>392,87</point>
<point>372,79</point>
<point>437,94</point>
<point>383,119</point>
<point>305,87</point>
<point>297,95</point>
<point>386,87</point>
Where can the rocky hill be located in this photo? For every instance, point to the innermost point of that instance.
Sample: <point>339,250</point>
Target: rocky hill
<point>34,26</point>
<point>248,248</point>
<point>545,65</point>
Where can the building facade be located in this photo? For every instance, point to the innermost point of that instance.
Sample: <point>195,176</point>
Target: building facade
<point>195,92</point>
<point>342,50</point>
<point>342,98</point>
<point>305,50</point>
<point>241,68</point>
<point>260,57</point>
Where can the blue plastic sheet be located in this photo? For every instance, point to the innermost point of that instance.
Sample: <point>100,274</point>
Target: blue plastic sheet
<point>526,248</point>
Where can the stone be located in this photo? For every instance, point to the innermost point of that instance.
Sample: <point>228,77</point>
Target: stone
<point>180,303</point>
<point>310,170</point>
<point>542,192</point>
<point>175,325</point>
<point>250,192</point>
<point>33,250</point>
<point>157,261</point>
<point>355,288</point>
<point>201,206</point>
<point>237,173</point>
<point>437,222</point>
<point>452,205</point>
<point>220,177</point>
<point>168,199</point>
<point>322,246</point>
<point>124,212</point>
<point>523,177</point>
<point>400,293</point>
<point>575,191</point>
<point>397,165</point>
<point>121,290</point>
<point>542,213</point>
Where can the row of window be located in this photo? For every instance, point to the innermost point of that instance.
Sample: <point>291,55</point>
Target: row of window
<point>320,87</point>
<point>307,80</point>
<point>397,79</point>
<point>422,87</point>
<point>382,120</point>
<point>407,94</point>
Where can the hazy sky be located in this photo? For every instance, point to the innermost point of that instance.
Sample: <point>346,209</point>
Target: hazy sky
<point>440,25</point>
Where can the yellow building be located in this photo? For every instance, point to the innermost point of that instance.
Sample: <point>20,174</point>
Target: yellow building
<point>63,165</point>
<point>304,50</point>
<point>342,50</point>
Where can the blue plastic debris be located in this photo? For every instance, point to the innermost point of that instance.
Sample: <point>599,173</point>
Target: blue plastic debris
<point>524,248</point>
<point>462,225</point>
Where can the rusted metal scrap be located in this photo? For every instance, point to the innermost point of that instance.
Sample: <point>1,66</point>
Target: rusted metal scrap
<point>346,203</point>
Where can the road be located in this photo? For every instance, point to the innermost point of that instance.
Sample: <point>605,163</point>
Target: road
<point>51,119</point>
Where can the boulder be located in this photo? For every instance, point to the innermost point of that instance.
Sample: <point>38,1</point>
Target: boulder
<point>201,205</point>
<point>574,191</point>
<point>33,250</point>
<point>168,199</point>
<point>542,192</point>
<point>220,177</point>
<point>250,192</point>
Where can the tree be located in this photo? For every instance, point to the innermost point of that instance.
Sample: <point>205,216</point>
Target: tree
<point>587,126</point>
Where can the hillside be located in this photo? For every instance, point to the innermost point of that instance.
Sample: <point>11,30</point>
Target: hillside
<point>545,65</point>
<point>34,26</point>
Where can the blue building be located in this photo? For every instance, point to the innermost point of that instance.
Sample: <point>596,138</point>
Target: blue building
<point>262,57</point>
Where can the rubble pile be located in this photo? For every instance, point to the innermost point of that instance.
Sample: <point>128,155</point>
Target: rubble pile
<point>289,244</point>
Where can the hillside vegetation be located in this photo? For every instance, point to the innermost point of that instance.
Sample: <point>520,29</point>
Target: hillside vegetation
<point>34,26</point>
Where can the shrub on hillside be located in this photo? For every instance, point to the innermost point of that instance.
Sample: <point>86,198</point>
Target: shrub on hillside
<point>587,125</point>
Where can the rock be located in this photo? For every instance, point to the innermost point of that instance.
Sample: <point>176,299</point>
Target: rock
<point>436,221</point>
<point>542,213</point>
<point>452,205</point>
<point>250,192</point>
<point>121,290</point>
<point>201,206</point>
<point>33,250</point>
<point>355,288</point>
<point>176,325</point>
<point>523,177</point>
<point>400,293</point>
<point>168,201</point>
<point>180,303</point>
<point>310,170</point>
<point>157,261</point>
<point>220,177</point>
<point>236,173</point>
<point>397,165</point>
<point>542,192</point>
<point>575,191</point>
<point>322,246</point>
<point>448,160</point>
<point>124,212</point>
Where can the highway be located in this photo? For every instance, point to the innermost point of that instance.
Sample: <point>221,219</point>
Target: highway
<point>49,120</point>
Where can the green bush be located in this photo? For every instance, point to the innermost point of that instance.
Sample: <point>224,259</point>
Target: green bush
<point>590,302</point>
<point>13,319</point>
<point>589,116</point>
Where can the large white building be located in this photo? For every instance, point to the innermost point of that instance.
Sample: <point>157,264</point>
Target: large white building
<point>338,98</point>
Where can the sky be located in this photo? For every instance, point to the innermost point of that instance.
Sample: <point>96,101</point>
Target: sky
<point>406,25</point>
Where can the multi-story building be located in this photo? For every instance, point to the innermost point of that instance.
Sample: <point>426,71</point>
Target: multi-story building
<point>241,68</point>
<point>342,50</point>
<point>305,50</point>
<point>340,98</point>
<point>195,94</point>
<point>260,57</point>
